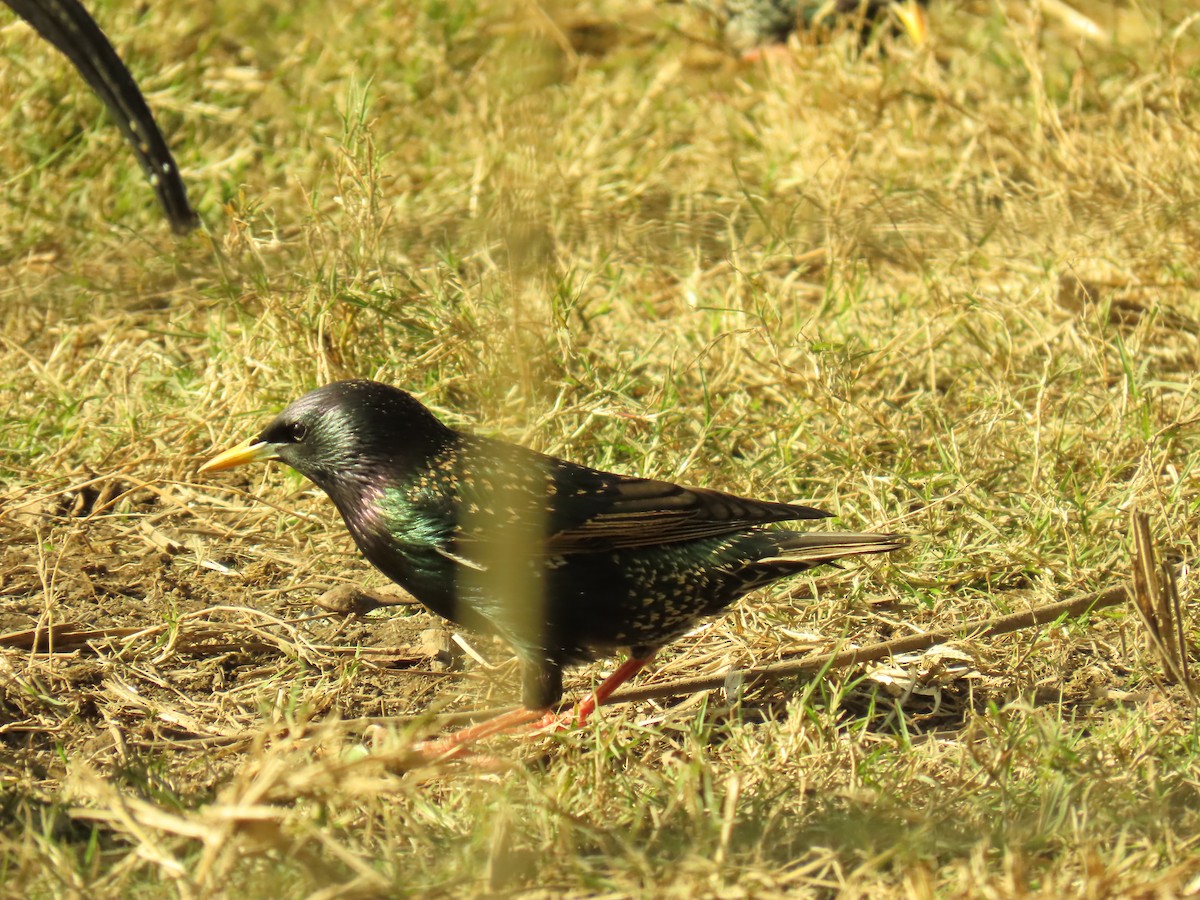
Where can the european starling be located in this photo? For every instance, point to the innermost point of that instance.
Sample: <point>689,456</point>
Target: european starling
<point>563,561</point>
<point>69,27</point>
<point>751,24</point>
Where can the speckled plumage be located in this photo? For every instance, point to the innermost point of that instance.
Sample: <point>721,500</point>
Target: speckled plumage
<point>747,24</point>
<point>563,561</point>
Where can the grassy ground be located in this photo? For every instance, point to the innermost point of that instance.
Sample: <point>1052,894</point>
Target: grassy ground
<point>950,292</point>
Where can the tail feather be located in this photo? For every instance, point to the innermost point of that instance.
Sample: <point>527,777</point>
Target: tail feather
<point>70,28</point>
<point>803,551</point>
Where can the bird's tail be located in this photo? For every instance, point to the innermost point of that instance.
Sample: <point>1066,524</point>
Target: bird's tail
<point>799,551</point>
<point>70,28</point>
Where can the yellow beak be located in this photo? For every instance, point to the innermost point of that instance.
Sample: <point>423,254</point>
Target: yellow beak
<point>249,451</point>
<point>912,17</point>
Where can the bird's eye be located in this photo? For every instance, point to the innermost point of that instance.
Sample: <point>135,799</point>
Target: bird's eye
<point>296,432</point>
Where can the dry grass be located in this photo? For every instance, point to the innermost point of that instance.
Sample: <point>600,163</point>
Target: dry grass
<point>950,292</point>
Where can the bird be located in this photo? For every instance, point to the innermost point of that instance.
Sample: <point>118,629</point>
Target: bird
<point>750,25</point>
<point>71,29</point>
<point>563,561</point>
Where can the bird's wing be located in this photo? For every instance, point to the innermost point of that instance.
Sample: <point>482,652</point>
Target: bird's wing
<point>594,511</point>
<point>69,27</point>
<point>504,496</point>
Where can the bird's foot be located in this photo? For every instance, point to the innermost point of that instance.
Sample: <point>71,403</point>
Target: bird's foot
<point>768,53</point>
<point>523,721</point>
<point>456,745</point>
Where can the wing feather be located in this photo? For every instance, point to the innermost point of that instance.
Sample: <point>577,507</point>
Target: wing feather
<point>613,512</point>
<point>499,487</point>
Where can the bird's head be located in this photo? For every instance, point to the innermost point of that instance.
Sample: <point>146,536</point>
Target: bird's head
<point>344,433</point>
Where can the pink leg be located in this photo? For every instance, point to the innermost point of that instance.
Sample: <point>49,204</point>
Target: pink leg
<point>768,52</point>
<point>453,745</point>
<point>624,672</point>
